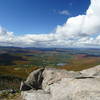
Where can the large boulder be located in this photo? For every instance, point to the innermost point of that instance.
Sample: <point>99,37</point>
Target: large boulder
<point>67,85</point>
<point>34,80</point>
<point>94,72</point>
<point>35,95</point>
<point>52,75</point>
<point>76,89</point>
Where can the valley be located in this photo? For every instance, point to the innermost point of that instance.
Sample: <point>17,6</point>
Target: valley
<point>16,63</point>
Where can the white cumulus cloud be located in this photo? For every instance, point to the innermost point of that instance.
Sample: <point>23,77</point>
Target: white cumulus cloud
<point>64,12</point>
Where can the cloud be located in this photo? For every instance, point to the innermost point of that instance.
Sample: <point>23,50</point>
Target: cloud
<point>80,31</point>
<point>70,4</point>
<point>5,36</point>
<point>64,12</point>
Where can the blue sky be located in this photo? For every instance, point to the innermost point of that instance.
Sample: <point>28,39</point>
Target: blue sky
<point>50,23</point>
<point>38,16</point>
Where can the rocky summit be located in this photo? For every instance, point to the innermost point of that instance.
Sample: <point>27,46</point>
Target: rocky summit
<point>56,84</point>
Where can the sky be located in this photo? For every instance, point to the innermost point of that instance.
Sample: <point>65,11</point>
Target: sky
<point>38,16</point>
<point>50,23</point>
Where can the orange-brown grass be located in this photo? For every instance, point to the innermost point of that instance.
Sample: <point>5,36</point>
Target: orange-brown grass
<point>22,72</point>
<point>78,64</point>
<point>21,62</point>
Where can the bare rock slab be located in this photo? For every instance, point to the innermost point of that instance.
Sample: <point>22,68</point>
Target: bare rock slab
<point>67,85</point>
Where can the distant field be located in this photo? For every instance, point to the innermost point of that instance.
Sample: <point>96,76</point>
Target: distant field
<point>17,63</point>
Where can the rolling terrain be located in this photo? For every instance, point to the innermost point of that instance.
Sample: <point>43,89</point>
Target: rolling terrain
<point>16,63</point>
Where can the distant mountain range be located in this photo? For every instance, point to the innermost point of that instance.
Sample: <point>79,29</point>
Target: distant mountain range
<point>37,48</point>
